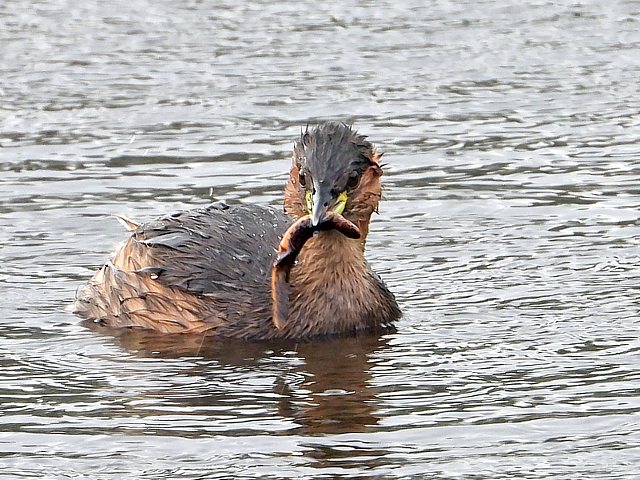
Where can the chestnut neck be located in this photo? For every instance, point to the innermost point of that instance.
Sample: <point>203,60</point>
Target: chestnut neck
<point>333,291</point>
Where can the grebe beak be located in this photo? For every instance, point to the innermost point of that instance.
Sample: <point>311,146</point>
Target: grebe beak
<point>324,200</point>
<point>321,199</point>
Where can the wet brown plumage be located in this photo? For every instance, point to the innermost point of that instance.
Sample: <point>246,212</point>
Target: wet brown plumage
<point>209,270</point>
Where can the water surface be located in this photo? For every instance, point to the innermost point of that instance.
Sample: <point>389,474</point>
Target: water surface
<point>510,233</point>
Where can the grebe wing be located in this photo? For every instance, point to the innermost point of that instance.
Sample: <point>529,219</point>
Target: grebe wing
<point>218,250</point>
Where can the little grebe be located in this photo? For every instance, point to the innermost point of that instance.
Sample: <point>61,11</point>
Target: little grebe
<point>215,271</point>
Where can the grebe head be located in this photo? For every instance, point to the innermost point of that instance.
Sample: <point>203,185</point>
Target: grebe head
<point>334,169</point>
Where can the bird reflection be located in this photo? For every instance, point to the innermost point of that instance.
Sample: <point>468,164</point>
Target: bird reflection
<point>336,395</point>
<point>321,387</point>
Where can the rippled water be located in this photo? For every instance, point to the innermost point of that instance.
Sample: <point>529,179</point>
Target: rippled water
<point>510,233</point>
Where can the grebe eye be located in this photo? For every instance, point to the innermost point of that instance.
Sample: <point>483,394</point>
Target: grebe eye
<point>354,178</point>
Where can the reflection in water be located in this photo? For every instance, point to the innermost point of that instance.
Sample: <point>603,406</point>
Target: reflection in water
<point>321,387</point>
<point>335,395</point>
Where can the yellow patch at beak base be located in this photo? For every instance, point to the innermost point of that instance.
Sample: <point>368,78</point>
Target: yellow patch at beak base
<point>341,203</point>
<point>309,199</point>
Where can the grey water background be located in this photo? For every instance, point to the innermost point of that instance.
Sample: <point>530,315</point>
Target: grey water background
<point>510,233</point>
